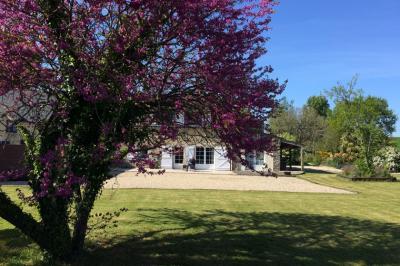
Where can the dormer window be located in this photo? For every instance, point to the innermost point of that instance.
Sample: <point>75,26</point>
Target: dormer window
<point>180,119</point>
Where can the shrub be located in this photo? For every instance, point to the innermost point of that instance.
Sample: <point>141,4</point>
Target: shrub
<point>337,160</point>
<point>334,162</point>
<point>313,159</point>
<point>382,172</point>
<point>349,170</point>
<point>389,158</point>
<point>362,169</point>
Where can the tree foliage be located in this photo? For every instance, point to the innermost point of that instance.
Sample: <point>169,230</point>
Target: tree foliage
<point>345,94</point>
<point>304,126</point>
<point>355,131</point>
<point>320,104</point>
<point>95,79</point>
<point>369,122</point>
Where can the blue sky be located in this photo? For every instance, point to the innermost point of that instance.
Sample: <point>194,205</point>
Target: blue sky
<point>316,43</point>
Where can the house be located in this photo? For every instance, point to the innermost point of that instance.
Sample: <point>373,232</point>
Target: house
<point>11,148</point>
<point>11,145</point>
<point>210,155</point>
<point>194,142</point>
<point>213,157</point>
<point>9,133</point>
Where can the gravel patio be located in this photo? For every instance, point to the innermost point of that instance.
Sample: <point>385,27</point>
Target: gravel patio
<point>175,179</point>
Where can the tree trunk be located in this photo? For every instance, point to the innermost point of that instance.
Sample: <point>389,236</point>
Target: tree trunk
<point>82,219</point>
<point>13,214</point>
<point>55,222</point>
<point>53,237</point>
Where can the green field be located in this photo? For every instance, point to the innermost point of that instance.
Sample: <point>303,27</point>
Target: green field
<point>246,228</point>
<point>396,141</point>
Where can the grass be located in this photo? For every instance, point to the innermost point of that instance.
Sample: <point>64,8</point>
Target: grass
<point>184,227</point>
<point>396,141</point>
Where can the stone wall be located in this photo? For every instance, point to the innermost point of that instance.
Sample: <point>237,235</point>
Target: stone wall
<point>276,155</point>
<point>11,157</point>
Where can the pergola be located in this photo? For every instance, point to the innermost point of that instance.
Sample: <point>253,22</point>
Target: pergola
<point>287,158</point>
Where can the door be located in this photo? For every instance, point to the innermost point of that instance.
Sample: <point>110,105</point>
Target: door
<point>205,158</point>
<point>190,152</point>
<point>222,162</point>
<point>166,158</point>
<point>178,158</point>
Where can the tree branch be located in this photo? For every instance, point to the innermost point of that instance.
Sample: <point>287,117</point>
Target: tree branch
<point>12,213</point>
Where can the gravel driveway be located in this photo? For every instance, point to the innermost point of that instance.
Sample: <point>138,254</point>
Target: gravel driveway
<point>220,181</point>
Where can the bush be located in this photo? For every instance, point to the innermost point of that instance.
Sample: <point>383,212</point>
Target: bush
<point>382,172</point>
<point>361,170</point>
<point>313,159</point>
<point>349,170</point>
<point>389,158</point>
<point>334,162</point>
<point>337,160</point>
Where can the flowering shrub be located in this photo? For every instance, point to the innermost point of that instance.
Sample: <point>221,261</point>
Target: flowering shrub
<point>339,159</point>
<point>349,149</point>
<point>336,160</point>
<point>324,155</point>
<point>16,174</point>
<point>388,157</point>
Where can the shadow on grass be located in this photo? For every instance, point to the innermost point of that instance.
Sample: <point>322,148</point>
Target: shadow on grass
<point>16,249</point>
<point>12,239</point>
<point>229,238</point>
<point>317,171</point>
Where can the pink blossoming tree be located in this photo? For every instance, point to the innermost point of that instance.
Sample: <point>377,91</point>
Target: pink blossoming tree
<point>94,78</point>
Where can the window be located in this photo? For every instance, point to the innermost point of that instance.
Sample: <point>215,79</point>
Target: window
<point>11,127</point>
<point>4,142</point>
<point>199,155</point>
<point>260,158</point>
<point>180,119</point>
<point>204,155</point>
<point>209,156</point>
<point>250,159</point>
<point>178,155</point>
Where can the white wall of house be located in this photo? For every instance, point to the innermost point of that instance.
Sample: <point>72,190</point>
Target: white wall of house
<point>269,161</point>
<point>213,158</point>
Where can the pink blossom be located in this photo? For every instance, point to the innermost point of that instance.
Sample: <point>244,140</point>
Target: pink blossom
<point>100,78</point>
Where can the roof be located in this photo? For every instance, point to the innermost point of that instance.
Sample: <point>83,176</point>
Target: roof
<point>288,143</point>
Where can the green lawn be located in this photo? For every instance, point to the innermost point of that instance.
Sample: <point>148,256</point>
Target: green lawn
<point>396,141</point>
<point>248,228</point>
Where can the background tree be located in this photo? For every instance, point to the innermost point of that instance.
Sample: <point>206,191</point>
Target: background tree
<point>311,129</point>
<point>284,121</point>
<point>320,104</point>
<point>304,126</point>
<point>366,122</point>
<point>344,93</point>
<point>96,79</point>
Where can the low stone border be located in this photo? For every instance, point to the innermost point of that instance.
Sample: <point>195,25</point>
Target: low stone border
<point>14,183</point>
<point>370,179</point>
<point>374,179</point>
